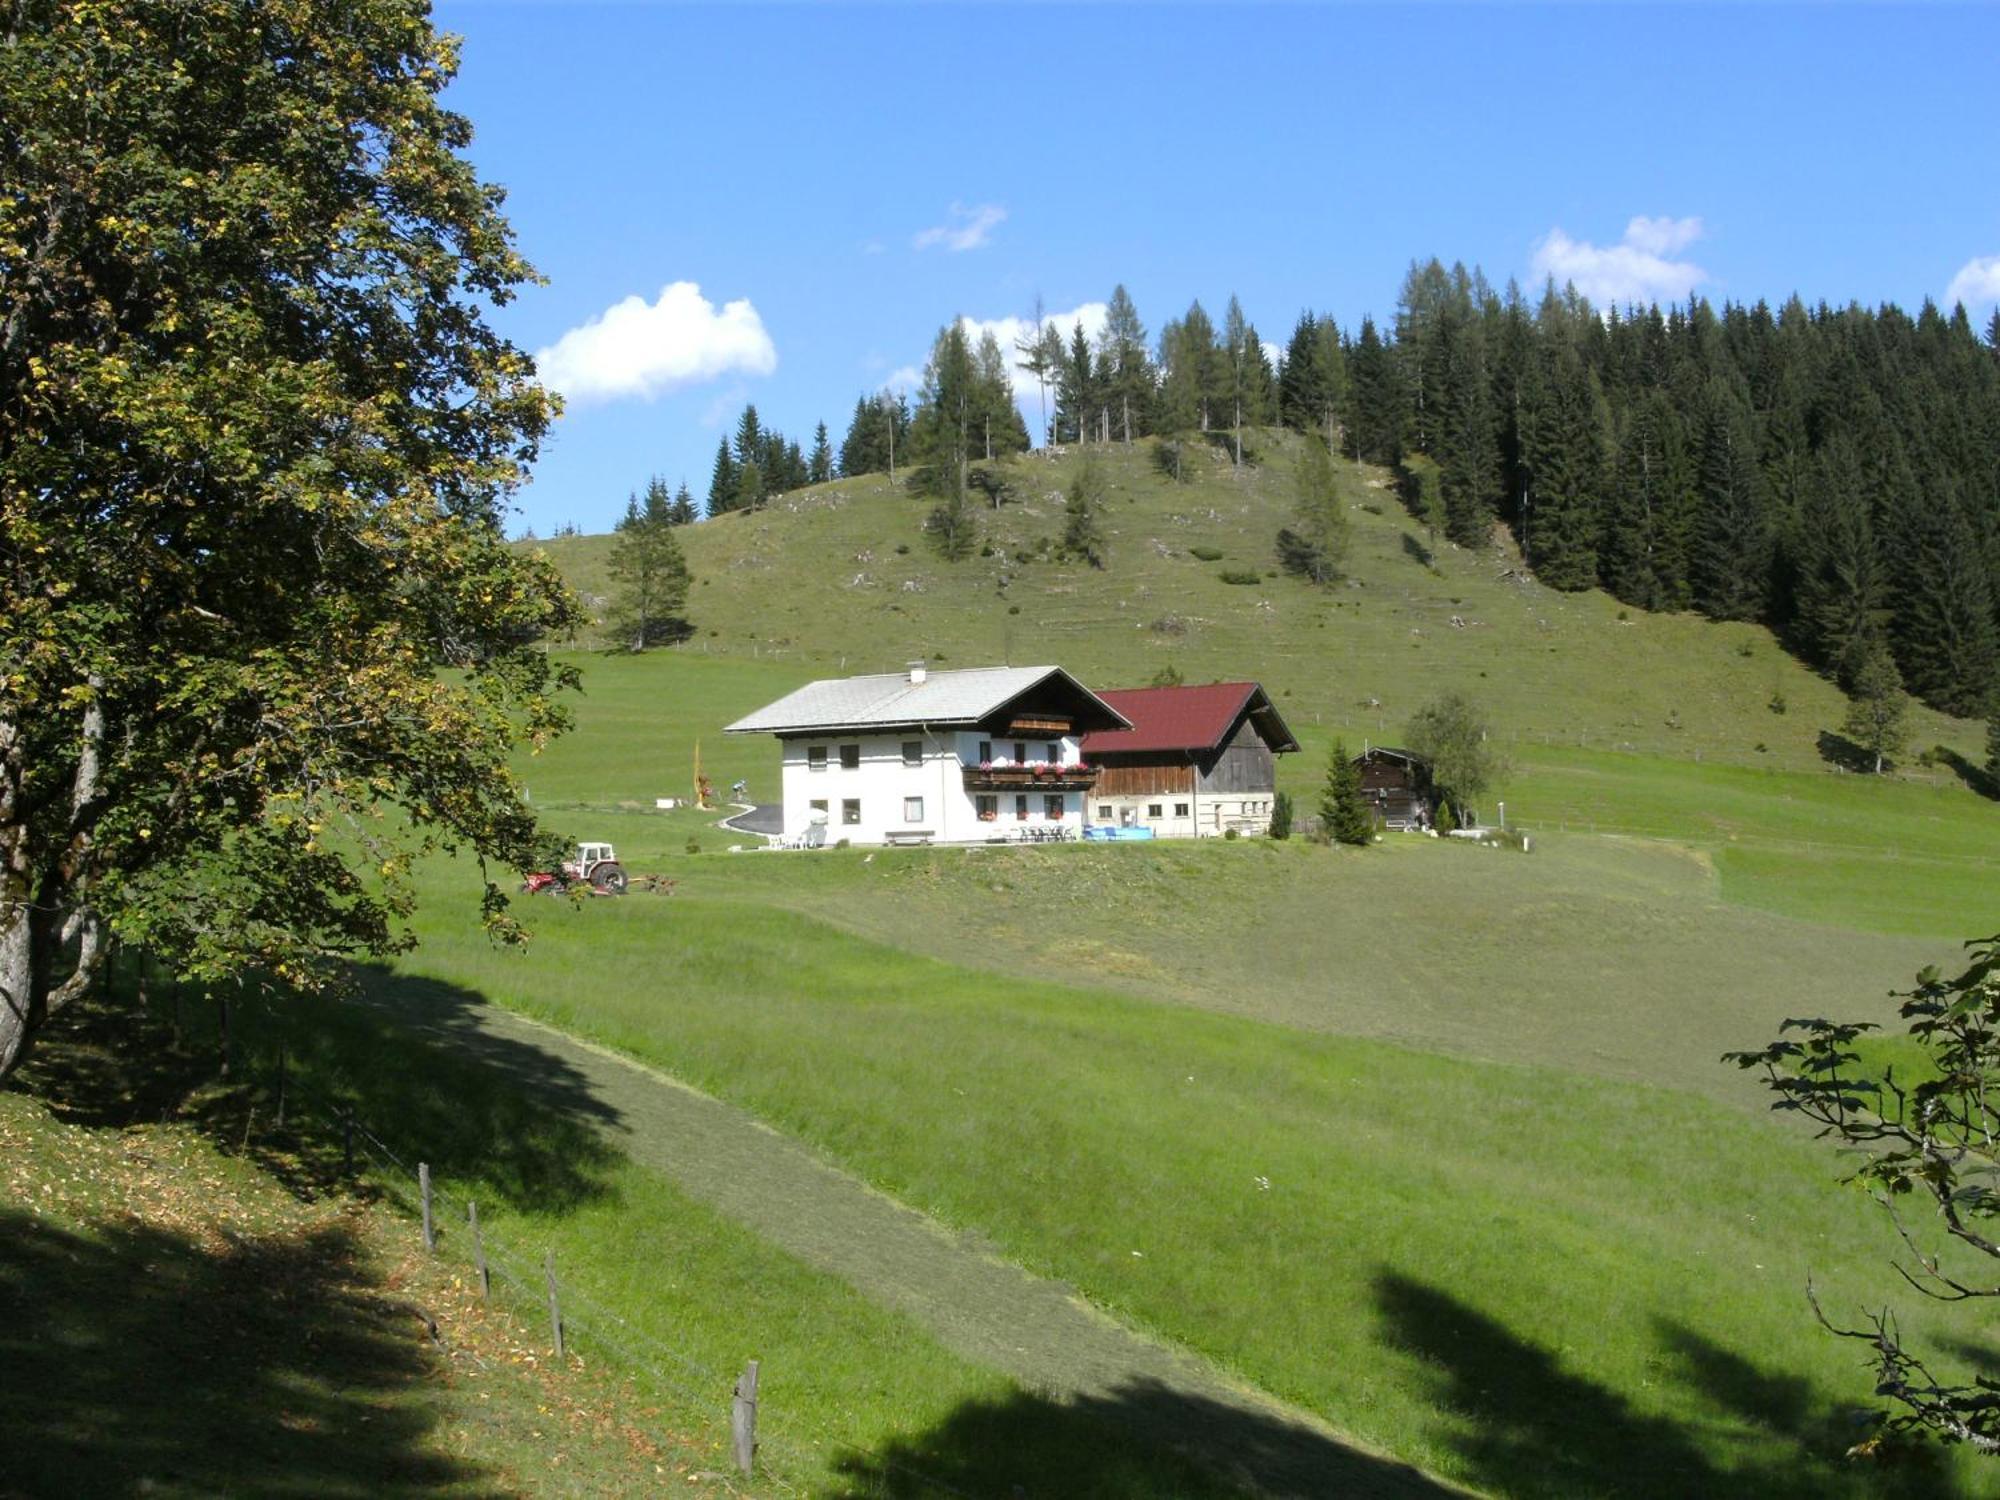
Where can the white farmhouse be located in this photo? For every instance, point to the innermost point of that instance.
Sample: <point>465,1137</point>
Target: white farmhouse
<point>921,756</point>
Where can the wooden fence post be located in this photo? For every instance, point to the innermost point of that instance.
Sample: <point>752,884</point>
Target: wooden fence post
<point>424,1188</point>
<point>555,1308</point>
<point>478,1249</point>
<point>743,1418</point>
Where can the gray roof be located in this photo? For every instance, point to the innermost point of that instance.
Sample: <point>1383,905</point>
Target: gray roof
<point>887,699</point>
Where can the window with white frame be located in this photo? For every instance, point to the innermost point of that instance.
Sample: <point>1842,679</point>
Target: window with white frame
<point>850,757</point>
<point>1021,806</point>
<point>815,757</point>
<point>913,809</point>
<point>987,807</point>
<point>850,810</point>
<point>1052,808</point>
<point>1154,810</point>
<point>1104,812</point>
<point>913,752</point>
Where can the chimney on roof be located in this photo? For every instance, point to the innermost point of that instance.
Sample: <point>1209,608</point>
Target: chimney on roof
<point>917,673</point>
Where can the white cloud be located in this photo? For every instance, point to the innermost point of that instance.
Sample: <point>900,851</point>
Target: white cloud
<point>640,348</point>
<point>903,380</point>
<point>1636,269</point>
<point>1011,331</point>
<point>1977,283</point>
<point>964,228</point>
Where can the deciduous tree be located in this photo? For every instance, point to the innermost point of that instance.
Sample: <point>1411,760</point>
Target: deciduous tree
<point>262,638</point>
<point>1451,734</point>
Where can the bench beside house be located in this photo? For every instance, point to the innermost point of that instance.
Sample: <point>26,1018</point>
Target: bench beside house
<point>922,756</point>
<point>1195,762</point>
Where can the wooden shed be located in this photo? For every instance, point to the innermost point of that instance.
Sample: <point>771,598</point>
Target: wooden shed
<point>1397,785</point>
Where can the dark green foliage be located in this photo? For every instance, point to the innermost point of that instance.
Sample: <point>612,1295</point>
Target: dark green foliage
<point>1242,576</point>
<point>1377,410</point>
<point>1731,564</point>
<point>1206,554</point>
<point>1129,372</point>
<point>1876,718</point>
<point>1344,816</point>
<point>878,436</point>
<point>819,467</point>
<point>1562,458</point>
<point>1993,744</point>
<point>1082,537</point>
<point>1167,676</point>
<point>1281,816</point>
<point>722,480</point>
<point>1925,1138</point>
<point>951,527</point>
<point>649,573</point>
<point>1944,629</point>
<point>684,512</point>
<point>1450,733</point>
<point>1315,546</point>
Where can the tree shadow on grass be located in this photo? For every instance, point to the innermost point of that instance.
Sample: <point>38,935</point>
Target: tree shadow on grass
<point>405,1056</point>
<point>1974,778</point>
<point>1838,750</point>
<point>140,1361</point>
<point>1417,552</point>
<point>1526,1426</point>
<point>1140,1440</point>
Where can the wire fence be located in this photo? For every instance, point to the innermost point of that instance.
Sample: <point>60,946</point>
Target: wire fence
<point>770,1450</point>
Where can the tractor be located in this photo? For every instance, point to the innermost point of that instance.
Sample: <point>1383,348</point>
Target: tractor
<point>593,865</point>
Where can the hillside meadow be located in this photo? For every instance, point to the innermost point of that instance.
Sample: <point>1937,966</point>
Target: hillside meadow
<point>1432,1141</point>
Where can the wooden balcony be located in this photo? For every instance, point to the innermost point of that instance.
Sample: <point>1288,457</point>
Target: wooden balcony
<point>1030,778</point>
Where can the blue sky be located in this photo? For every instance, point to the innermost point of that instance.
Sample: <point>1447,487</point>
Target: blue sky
<point>824,186</point>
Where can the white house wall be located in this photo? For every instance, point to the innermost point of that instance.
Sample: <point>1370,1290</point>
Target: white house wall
<point>883,785</point>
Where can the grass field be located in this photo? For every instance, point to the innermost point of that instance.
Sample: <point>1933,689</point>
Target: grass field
<point>1521,1226</point>
<point>1427,1222</point>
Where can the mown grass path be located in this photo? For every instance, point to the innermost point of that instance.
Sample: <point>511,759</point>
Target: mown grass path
<point>1034,1330</point>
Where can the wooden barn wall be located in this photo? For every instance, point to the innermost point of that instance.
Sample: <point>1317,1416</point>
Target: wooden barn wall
<point>1142,778</point>
<point>1244,764</point>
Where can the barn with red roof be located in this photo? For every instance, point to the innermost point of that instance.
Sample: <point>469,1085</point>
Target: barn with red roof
<point>1195,763</point>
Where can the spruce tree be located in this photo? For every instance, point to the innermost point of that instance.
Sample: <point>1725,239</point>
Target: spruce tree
<point>1376,412</point>
<point>1301,383</point>
<point>722,482</point>
<point>945,431</point>
<point>1944,622</point>
<point>1993,740</point>
<point>1732,544</point>
<point>684,513</point>
<point>749,447</point>
<point>1123,343</point>
<point>1315,545</point>
<point>749,487</point>
<point>1562,454</point>
<point>952,528</point>
<point>1468,456</point>
<point>649,575</point>
<point>1876,717</point>
<point>1344,815</point>
<point>1082,537</point>
<point>819,468</point>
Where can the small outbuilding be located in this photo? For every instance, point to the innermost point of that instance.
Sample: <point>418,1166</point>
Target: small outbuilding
<point>1397,786</point>
<point>1195,762</point>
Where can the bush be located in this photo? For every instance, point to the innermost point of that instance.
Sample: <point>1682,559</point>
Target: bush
<point>1242,576</point>
<point>902,549</point>
<point>1206,554</point>
<point>1778,704</point>
<point>694,846</point>
<point>1281,816</point>
<point>1229,833</point>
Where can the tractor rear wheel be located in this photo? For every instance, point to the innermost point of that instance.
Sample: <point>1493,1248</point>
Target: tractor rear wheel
<point>609,878</point>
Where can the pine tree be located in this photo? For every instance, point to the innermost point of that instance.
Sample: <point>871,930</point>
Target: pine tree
<point>1876,716</point>
<point>1563,457</point>
<point>684,513</point>
<point>722,481</point>
<point>1944,628</point>
<point>749,487</point>
<point>1301,383</point>
<point>649,575</point>
<point>1281,815</point>
<point>1993,735</point>
<point>749,437</point>
<point>1076,389</point>
<point>1842,590</point>
<point>943,433</point>
<point>1732,544</point>
<point>1376,413</point>
<point>1468,456</point>
<point>1082,537</point>
<point>1344,815</point>
<point>1236,353</point>
<point>1315,546</point>
<point>1123,344</point>
<point>819,468</point>
<point>952,527</point>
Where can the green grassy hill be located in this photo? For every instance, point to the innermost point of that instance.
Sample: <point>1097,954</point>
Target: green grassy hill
<point>839,578</point>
